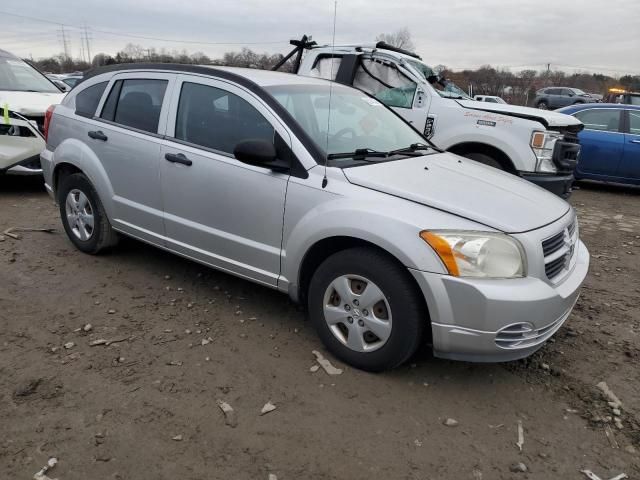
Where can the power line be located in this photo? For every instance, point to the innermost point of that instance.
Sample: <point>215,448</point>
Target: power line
<point>144,37</point>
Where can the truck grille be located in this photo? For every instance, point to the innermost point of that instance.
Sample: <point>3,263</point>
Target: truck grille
<point>558,251</point>
<point>567,150</point>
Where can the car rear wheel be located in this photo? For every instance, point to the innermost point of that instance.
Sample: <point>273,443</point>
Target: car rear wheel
<point>543,105</point>
<point>366,309</point>
<point>83,215</point>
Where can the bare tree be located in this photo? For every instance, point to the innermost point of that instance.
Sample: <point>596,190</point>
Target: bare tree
<point>400,38</point>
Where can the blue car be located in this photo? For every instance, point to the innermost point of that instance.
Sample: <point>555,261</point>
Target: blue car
<point>610,142</point>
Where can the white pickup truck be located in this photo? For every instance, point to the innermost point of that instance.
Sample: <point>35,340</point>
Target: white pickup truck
<point>540,146</point>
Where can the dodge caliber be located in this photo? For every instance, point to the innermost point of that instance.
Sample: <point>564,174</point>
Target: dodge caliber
<point>322,192</point>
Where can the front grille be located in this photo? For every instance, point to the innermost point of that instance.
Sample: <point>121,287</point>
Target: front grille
<point>558,251</point>
<point>523,335</point>
<point>567,150</point>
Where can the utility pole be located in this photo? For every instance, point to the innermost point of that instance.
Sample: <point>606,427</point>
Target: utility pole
<point>87,39</point>
<point>65,42</point>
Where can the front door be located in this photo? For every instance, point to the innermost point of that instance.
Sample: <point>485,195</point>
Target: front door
<point>601,141</point>
<point>218,210</point>
<point>630,165</point>
<point>126,138</point>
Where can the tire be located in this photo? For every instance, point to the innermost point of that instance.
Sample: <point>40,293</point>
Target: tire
<point>484,159</point>
<point>79,202</point>
<point>542,105</point>
<point>400,315</point>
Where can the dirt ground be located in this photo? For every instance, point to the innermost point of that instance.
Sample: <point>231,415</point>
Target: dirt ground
<point>144,406</point>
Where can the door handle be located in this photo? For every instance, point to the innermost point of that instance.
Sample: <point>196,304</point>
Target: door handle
<point>178,158</point>
<point>635,141</point>
<point>98,135</point>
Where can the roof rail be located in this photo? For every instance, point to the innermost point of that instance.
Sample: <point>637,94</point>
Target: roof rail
<point>386,46</point>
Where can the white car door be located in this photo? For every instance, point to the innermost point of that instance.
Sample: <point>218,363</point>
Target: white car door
<point>216,209</point>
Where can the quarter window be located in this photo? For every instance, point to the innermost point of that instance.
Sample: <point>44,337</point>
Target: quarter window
<point>217,119</point>
<point>136,103</point>
<point>606,120</point>
<point>88,99</point>
<point>385,82</point>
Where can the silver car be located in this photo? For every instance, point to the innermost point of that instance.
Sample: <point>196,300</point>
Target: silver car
<point>319,191</point>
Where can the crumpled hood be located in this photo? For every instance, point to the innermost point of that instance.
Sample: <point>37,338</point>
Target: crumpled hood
<point>546,117</point>
<point>465,188</point>
<point>29,103</point>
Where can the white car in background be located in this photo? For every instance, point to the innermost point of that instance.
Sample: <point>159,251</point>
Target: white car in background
<point>489,98</point>
<point>25,95</point>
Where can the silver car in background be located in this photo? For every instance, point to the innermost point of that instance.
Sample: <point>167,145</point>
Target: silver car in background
<point>319,191</point>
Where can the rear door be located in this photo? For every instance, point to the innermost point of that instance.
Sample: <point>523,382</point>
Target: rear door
<point>218,210</point>
<point>602,142</point>
<point>127,140</point>
<point>630,165</point>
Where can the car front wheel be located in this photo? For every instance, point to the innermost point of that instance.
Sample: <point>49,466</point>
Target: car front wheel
<point>83,215</point>
<point>367,309</point>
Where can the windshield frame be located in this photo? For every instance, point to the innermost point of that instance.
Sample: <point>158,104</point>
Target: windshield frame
<point>349,162</point>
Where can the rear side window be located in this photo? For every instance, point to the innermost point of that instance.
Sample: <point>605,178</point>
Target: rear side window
<point>634,122</point>
<point>88,99</point>
<point>606,120</point>
<point>136,103</point>
<point>214,118</point>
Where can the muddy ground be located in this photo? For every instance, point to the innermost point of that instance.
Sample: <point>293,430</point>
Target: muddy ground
<point>144,406</point>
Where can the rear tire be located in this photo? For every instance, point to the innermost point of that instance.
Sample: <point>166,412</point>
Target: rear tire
<point>542,105</point>
<point>484,159</point>
<point>83,215</point>
<point>376,294</point>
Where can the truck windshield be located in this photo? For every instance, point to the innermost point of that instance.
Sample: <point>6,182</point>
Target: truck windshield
<point>18,76</point>
<point>448,90</point>
<point>356,121</point>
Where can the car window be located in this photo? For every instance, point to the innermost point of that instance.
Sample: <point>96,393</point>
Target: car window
<point>88,99</point>
<point>568,92</point>
<point>606,120</point>
<point>490,100</point>
<point>136,103</point>
<point>385,82</point>
<point>634,122</point>
<point>214,118</point>
<point>551,91</point>
<point>326,67</point>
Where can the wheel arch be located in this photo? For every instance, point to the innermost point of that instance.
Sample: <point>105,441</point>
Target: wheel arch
<point>464,148</point>
<point>322,249</point>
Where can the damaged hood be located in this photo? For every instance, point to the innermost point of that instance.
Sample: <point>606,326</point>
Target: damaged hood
<point>31,104</point>
<point>546,117</point>
<point>465,188</point>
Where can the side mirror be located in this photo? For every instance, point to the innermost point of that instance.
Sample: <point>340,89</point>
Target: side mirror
<point>571,94</point>
<point>260,153</point>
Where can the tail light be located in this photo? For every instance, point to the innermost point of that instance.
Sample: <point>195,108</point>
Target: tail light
<point>47,121</point>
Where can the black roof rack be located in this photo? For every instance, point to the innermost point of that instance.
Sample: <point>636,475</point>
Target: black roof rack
<point>386,46</point>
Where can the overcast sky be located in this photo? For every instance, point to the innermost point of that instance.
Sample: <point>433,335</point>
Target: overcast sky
<point>586,35</point>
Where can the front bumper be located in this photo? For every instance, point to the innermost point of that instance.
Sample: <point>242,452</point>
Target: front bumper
<point>480,320</point>
<point>558,184</point>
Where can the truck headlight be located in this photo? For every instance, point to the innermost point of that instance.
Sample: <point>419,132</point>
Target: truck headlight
<point>477,254</point>
<point>542,144</point>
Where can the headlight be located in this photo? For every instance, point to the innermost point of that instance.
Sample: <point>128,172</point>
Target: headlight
<point>477,254</point>
<point>542,144</point>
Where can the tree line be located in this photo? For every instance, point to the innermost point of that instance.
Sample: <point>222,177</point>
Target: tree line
<point>517,88</point>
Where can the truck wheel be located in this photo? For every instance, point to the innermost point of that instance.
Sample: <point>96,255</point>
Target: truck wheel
<point>83,215</point>
<point>366,309</point>
<point>484,159</point>
<point>543,105</point>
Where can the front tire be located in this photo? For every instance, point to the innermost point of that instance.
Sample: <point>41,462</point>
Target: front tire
<point>83,215</point>
<point>366,309</point>
<point>485,160</point>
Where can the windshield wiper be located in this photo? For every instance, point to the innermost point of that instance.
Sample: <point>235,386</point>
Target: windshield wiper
<point>413,148</point>
<point>364,153</point>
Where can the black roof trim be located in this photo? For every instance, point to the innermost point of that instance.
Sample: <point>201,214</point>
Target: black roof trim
<point>213,72</point>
